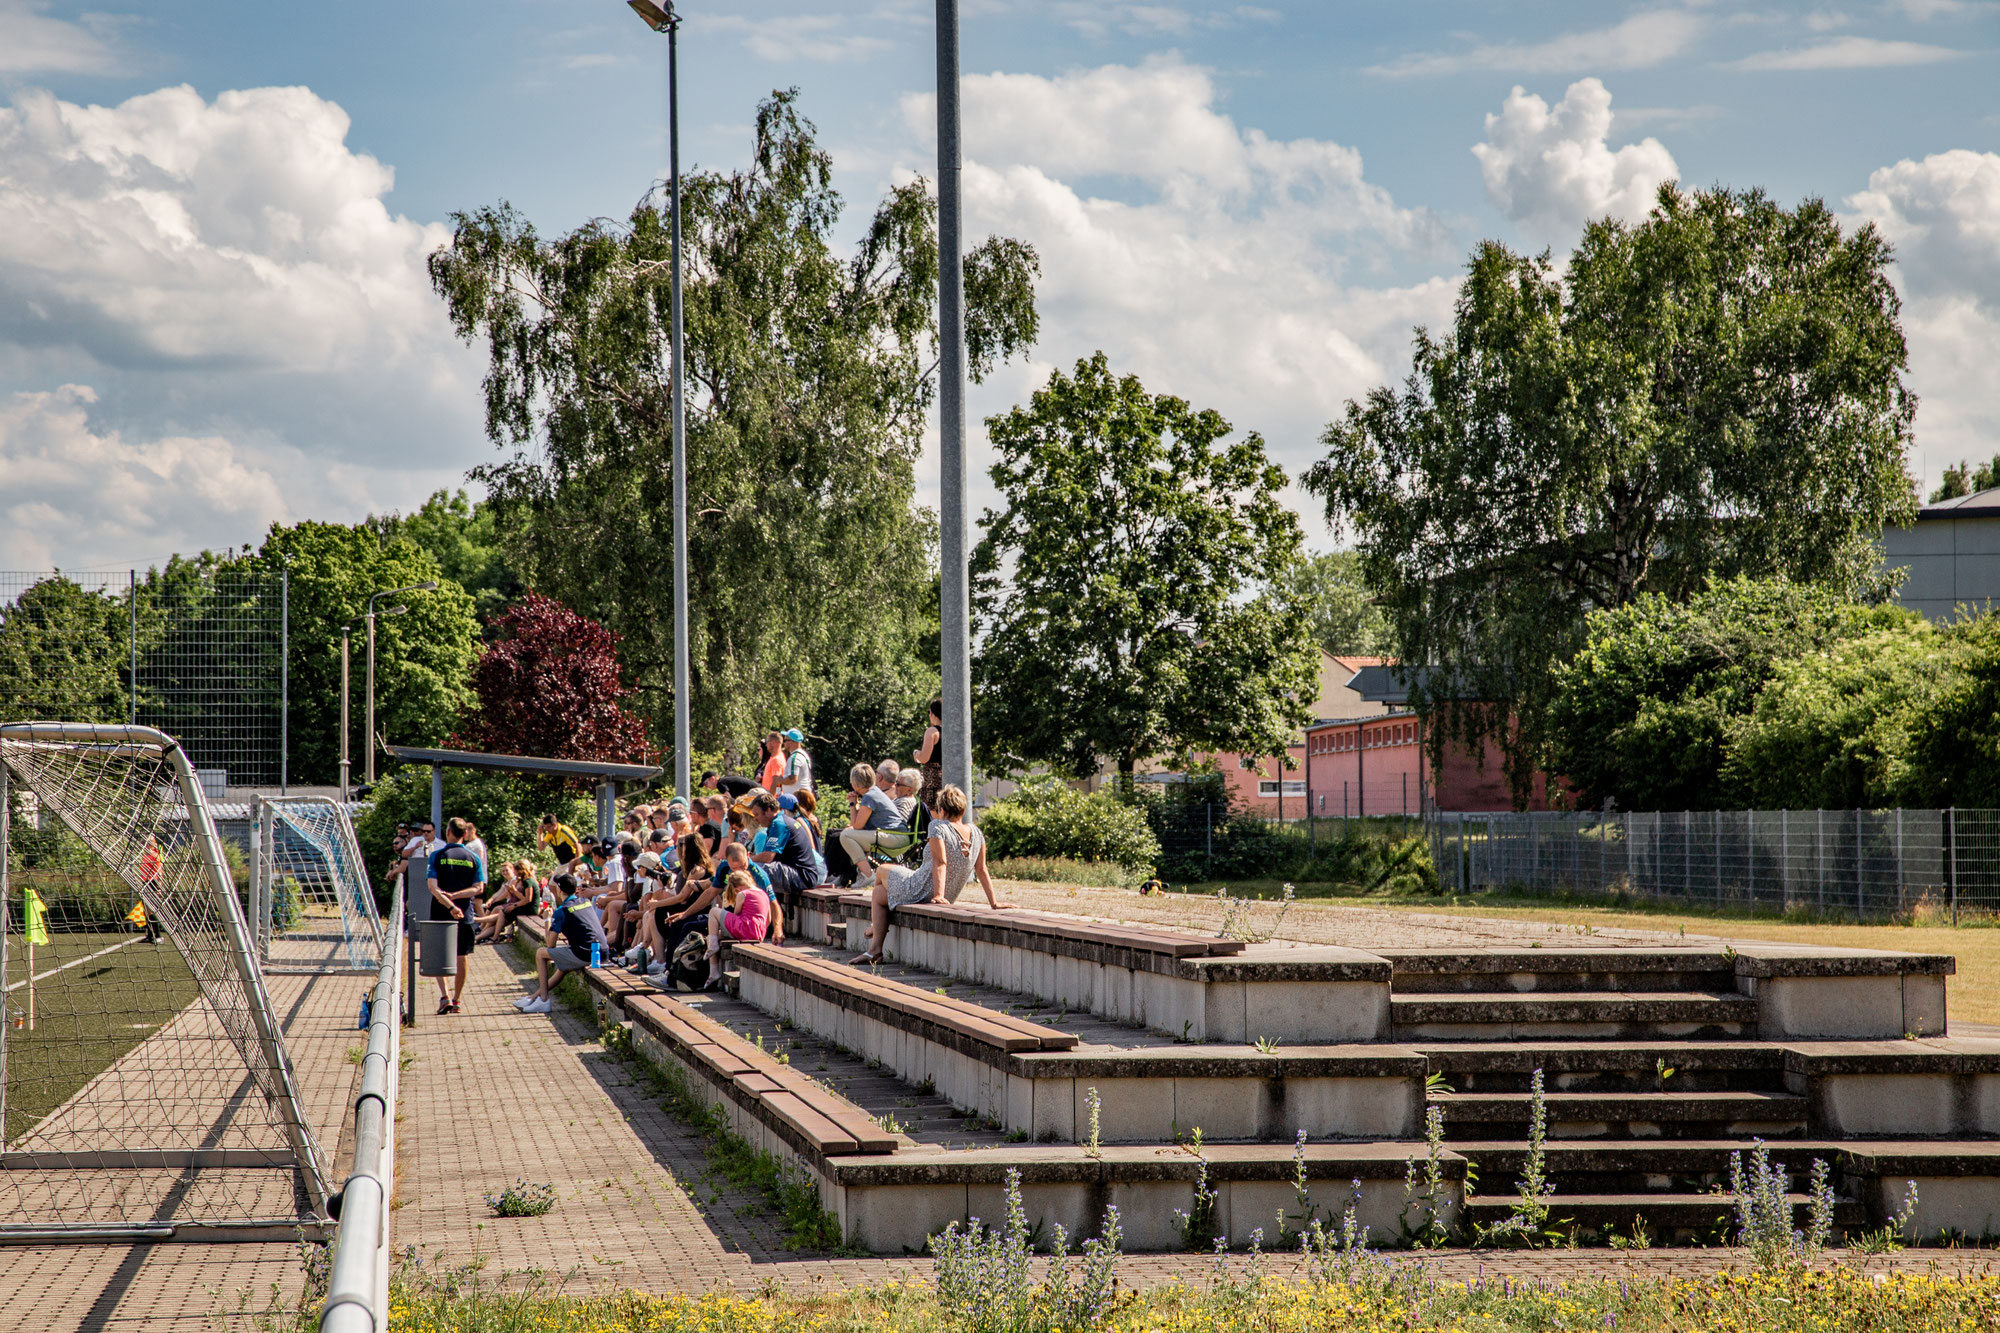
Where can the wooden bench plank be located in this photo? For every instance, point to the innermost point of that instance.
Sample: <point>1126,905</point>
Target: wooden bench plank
<point>822,1133</point>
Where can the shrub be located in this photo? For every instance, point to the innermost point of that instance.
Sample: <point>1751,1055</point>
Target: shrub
<point>1049,819</point>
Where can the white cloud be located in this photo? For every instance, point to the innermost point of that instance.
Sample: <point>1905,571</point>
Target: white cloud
<point>1550,169</point>
<point>1640,42</point>
<point>1943,214</point>
<point>1849,53</point>
<point>227,271</point>
<point>72,494</point>
<point>34,43</point>
<point>1211,260</point>
<point>822,37</point>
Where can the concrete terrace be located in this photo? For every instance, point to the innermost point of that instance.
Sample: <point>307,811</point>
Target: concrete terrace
<point>491,1095</point>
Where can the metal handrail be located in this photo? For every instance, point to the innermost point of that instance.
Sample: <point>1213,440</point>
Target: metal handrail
<point>357,1292</point>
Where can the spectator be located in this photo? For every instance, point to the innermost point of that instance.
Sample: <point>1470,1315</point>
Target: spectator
<point>874,823</point>
<point>690,917</point>
<point>621,889</point>
<point>885,776</point>
<point>630,827</point>
<point>519,895</point>
<point>657,927</point>
<point>578,926</point>
<point>477,846</point>
<point>789,854</point>
<point>908,806</point>
<point>798,770</point>
<point>930,758</point>
<point>746,913</point>
<point>956,853</point>
<point>454,877</point>
<point>770,761</point>
<point>561,839</point>
<point>731,787</point>
<point>714,828</point>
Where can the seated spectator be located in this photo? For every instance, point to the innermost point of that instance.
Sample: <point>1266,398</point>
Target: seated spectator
<point>745,913</point>
<point>577,925</point>
<point>907,803</point>
<point>956,852</point>
<point>874,824</point>
<point>714,828</point>
<point>561,839</point>
<point>517,895</point>
<point>691,916</point>
<point>632,826</point>
<point>789,853</point>
<point>649,953</point>
<point>886,773</point>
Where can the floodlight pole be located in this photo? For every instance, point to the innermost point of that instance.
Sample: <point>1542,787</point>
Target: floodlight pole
<point>954,592</point>
<point>666,20</point>
<point>345,632</point>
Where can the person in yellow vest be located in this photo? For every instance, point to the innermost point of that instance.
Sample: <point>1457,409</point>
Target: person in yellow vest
<point>149,879</point>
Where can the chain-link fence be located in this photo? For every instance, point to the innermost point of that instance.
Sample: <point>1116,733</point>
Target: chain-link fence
<point>197,652</point>
<point>1870,863</point>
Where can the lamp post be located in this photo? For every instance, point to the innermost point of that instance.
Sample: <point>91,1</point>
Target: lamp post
<point>426,586</point>
<point>668,22</point>
<point>954,592</point>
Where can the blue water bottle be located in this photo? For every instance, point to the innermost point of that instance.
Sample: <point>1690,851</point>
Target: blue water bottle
<point>597,953</point>
<point>367,1005</point>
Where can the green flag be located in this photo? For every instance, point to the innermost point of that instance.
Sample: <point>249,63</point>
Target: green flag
<point>37,918</point>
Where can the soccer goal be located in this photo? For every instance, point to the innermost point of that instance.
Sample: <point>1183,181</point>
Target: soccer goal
<point>311,906</point>
<point>145,1086</point>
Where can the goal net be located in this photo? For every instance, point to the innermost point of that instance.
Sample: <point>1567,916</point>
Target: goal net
<point>311,904</point>
<point>145,1087</point>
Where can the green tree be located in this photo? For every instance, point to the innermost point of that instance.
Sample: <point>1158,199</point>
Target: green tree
<point>1959,479</point>
<point>1646,710</point>
<point>1112,591</point>
<point>1839,729</point>
<point>809,375</point>
<point>65,654</point>
<point>423,658</point>
<point>464,539</point>
<point>1716,390</point>
<point>1339,607</point>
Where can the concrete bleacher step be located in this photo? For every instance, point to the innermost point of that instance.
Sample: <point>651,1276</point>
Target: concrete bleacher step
<point>1696,1217</point>
<point>1609,1067</point>
<point>1007,1058</point>
<point>1560,970</point>
<point>1514,1016</point>
<point>1634,1114</point>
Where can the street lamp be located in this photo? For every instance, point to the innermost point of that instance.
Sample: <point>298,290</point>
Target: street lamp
<point>426,586</point>
<point>668,22</point>
<point>954,590</point>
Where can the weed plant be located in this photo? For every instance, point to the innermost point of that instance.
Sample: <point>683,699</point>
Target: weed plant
<point>523,1198</point>
<point>983,1281</point>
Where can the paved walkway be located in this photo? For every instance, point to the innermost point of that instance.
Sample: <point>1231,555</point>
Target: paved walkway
<point>491,1095</point>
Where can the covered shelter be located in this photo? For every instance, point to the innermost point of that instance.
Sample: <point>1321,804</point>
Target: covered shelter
<point>605,777</point>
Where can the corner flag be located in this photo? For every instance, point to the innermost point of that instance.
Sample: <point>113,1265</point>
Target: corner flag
<point>35,918</point>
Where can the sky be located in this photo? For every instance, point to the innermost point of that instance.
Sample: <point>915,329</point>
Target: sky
<point>214,216</point>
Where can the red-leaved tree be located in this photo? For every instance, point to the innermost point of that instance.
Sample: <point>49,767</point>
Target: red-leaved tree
<point>549,686</point>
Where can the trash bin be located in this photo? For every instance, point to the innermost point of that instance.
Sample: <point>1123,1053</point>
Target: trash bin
<point>437,948</point>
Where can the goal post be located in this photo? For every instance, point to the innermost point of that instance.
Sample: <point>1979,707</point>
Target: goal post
<point>155,1095</point>
<point>312,910</point>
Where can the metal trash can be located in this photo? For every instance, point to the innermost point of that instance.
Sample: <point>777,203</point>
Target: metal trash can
<point>437,948</point>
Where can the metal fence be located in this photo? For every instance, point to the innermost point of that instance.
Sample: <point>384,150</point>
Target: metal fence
<point>1870,863</point>
<point>196,652</point>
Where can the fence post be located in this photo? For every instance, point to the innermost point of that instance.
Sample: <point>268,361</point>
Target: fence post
<point>1860,894</point>
<point>1207,840</point>
<point>1406,805</point>
<point>1951,850</point>
<point>1464,854</point>
<point>284,681</point>
<point>1687,853</point>
<point>1784,856</point>
<point>132,605</point>
<point>1819,860</point>
<point>1899,858</point>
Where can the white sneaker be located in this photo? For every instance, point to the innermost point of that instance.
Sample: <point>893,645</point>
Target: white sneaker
<point>537,1007</point>
<point>523,1003</point>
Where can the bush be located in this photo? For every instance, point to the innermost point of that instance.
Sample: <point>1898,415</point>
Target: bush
<point>1049,819</point>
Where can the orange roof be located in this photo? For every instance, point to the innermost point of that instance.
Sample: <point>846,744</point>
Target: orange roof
<point>1356,663</point>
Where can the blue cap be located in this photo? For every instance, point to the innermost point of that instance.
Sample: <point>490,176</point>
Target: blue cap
<point>793,735</point>
<point>788,802</point>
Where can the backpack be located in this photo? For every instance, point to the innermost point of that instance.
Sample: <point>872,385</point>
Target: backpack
<point>689,967</point>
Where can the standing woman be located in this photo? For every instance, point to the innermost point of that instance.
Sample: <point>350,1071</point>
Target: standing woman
<point>930,758</point>
<point>955,854</point>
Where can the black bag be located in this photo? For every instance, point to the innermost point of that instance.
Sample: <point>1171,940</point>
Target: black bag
<point>689,968</point>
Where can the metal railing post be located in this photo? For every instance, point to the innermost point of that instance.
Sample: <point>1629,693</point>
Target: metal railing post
<point>1951,851</point>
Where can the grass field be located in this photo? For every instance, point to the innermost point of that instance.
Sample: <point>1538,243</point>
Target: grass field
<point>86,1016</point>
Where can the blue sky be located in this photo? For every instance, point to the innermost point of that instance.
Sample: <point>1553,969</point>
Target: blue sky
<point>212,307</point>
